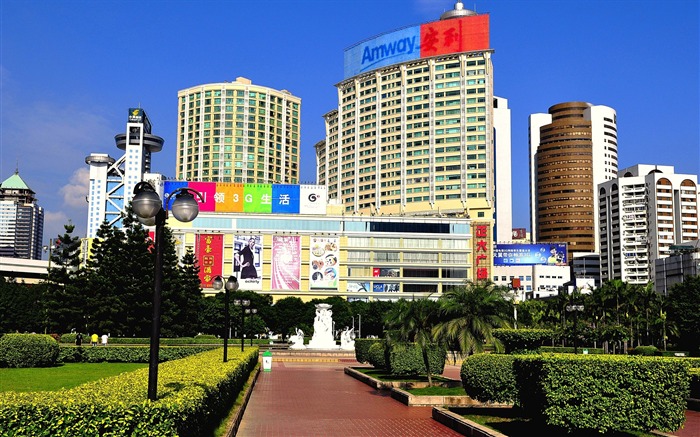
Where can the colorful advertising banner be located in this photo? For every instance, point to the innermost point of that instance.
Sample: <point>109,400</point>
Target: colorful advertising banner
<point>392,273</point>
<point>388,288</point>
<point>358,287</point>
<point>254,198</point>
<point>286,262</point>
<point>456,35</point>
<point>247,261</point>
<point>552,254</point>
<point>323,263</point>
<point>209,250</point>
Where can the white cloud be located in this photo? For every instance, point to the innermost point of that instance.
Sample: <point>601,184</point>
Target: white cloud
<point>75,192</point>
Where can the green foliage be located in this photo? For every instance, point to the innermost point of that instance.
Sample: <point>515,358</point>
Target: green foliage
<point>376,355</point>
<point>193,395</point>
<point>601,393</point>
<point>408,359</point>
<point>125,354</point>
<point>28,350</point>
<point>695,383</point>
<point>289,313</point>
<point>21,306</point>
<point>362,346</point>
<point>521,341</point>
<point>683,310</point>
<point>649,351</point>
<point>569,350</point>
<point>490,378</point>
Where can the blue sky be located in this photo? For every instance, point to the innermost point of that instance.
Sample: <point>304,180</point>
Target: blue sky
<point>69,71</point>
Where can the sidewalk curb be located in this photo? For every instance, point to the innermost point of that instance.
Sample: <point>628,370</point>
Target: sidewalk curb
<point>232,428</point>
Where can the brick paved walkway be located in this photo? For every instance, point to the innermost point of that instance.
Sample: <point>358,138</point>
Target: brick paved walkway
<point>318,399</point>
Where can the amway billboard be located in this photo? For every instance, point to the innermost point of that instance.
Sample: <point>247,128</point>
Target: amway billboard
<point>465,34</point>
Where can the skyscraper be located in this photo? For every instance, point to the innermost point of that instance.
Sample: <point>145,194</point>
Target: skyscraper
<point>414,130</point>
<point>112,181</point>
<point>21,220</point>
<point>573,148</point>
<point>238,132</point>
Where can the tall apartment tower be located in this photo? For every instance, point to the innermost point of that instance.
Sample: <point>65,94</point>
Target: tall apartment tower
<point>573,148</point>
<point>238,132</point>
<point>643,213</point>
<point>21,220</point>
<point>112,181</point>
<point>415,127</point>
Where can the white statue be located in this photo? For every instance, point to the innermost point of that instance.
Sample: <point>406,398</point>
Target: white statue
<point>297,340</point>
<point>323,328</point>
<point>347,339</point>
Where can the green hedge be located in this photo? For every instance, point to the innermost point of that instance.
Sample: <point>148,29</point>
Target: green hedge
<point>695,383</point>
<point>194,394</point>
<point>407,359</point>
<point>362,346</point>
<point>522,341</point>
<point>376,355</point>
<point>602,393</point>
<point>570,350</point>
<point>490,378</point>
<point>648,351</point>
<point>28,350</point>
<point>126,354</point>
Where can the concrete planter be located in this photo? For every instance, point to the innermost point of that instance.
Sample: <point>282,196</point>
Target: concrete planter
<point>407,398</point>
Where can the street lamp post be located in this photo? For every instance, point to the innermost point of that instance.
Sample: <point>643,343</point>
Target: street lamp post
<point>148,206</point>
<point>251,311</point>
<point>243,303</point>
<point>359,326</point>
<point>576,309</point>
<point>231,285</point>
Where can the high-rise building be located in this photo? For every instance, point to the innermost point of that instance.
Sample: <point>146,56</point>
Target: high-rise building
<point>112,181</point>
<point>573,148</point>
<point>238,132</point>
<point>644,213</point>
<point>21,220</point>
<point>418,130</point>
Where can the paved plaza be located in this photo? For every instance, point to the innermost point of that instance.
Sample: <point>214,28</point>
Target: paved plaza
<point>316,398</point>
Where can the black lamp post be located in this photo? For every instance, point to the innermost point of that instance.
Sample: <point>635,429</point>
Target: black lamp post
<point>148,207</point>
<point>244,303</point>
<point>576,309</point>
<point>231,285</point>
<point>251,311</point>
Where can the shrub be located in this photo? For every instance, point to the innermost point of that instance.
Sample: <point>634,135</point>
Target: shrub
<point>594,393</point>
<point>490,378</point>
<point>126,354</point>
<point>407,359</point>
<point>376,355</point>
<point>649,351</point>
<point>695,383</point>
<point>522,341</point>
<point>194,394</point>
<point>362,346</point>
<point>28,350</point>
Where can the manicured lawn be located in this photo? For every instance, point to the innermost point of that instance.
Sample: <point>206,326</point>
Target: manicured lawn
<point>437,391</point>
<point>381,375</point>
<point>508,422</point>
<point>64,376</point>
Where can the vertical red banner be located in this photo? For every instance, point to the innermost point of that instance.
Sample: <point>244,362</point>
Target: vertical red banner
<point>209,250</point>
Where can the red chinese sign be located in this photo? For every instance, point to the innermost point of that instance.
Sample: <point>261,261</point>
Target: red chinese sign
<point>482,250</point>
<point>464,34</point>
<point>209,249</point>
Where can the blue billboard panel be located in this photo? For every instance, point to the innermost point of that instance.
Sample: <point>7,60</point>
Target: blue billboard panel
<point>388,49</point>
<point>285,199</point>
<point>553,254</point>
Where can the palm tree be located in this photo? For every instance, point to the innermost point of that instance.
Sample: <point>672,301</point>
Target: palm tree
<point>469,314</point>
<point>413,321</point>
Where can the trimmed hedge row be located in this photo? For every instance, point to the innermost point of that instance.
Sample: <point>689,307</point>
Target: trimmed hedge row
<point>362,346</point>
<point>200,339</point>
<point>522,341</point>
<point>28,350</point>
<point>585,392</point>
<point>194,394</point>
<point>126,354</point>
<point>570,350</point>
<point>406,358</point>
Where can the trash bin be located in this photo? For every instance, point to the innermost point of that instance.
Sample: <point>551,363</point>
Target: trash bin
<point>267,361</point>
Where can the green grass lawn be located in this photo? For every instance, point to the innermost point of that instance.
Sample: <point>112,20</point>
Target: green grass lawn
<point>66,375</point>
<point>382,375</point>
<point>437,391</point>
<point>508,422</point>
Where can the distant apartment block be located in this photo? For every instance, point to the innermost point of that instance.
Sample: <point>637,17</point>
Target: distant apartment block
<point>21,220</point>
<point>644,213</point>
